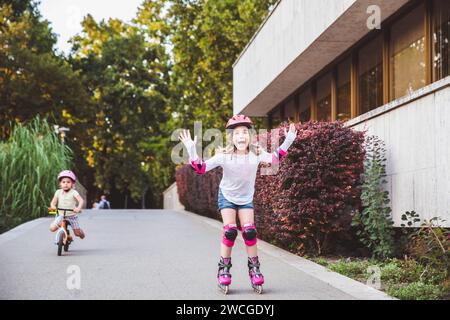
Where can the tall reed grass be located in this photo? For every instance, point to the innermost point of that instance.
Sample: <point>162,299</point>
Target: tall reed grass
<point>29,163</point>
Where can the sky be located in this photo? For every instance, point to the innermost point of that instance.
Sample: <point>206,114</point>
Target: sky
<point>66,15</point>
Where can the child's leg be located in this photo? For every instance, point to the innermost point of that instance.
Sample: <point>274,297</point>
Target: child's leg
<point>76,227</point>
<point>247,217</point>
<point>79,233</point>
<point>228,217</point>
<point>55,224</point>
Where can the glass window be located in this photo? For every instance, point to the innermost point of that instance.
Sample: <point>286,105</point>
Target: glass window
<point>344,90</point>
<point>441,38</point>
<point>290,108</point>
<point>408,54</point>
<point>276,117</point>
<point>324,98</point>
<point>305,105</point>
<point>370,75</point>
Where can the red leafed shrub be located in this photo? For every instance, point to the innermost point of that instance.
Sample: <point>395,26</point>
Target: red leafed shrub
<point>310,199</point>
<point>199,193</point>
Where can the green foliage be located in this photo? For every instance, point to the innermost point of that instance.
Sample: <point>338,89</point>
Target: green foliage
<point>30,160</point>
<point>207,38</point>
<point>428,243</point>
<point>417,291</point>
<point>124,138</point>
<point>125,87</point>
<point>319,260</point>
<point>403,279</point>
<point>33,78</point>
<point>353,269</point>
<point>374,224</point>
<point>401,271</point>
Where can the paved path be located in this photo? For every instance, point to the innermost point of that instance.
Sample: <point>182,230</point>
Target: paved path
<point>154,254</point>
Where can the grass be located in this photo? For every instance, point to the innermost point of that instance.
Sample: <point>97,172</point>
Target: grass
<point>30,161</point>
<point>403,279</point>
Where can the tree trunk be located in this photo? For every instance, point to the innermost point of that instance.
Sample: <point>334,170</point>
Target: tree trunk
<point>144,192</point>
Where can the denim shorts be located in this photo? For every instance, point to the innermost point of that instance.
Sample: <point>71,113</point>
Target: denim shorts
<point>225,204</point>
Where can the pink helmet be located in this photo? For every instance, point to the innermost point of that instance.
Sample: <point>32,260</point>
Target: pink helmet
<point>239,120</point>
<point>67,174</point>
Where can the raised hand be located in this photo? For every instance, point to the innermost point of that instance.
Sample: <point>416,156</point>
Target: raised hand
<point>292,131</point>
<point>185,138</point>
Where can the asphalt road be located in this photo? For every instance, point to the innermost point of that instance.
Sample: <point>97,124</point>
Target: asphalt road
<point>141,254</point>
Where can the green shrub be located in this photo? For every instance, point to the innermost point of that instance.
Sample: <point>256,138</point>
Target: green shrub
<point>416,291</point>
<point>322,261</point>
<point>403,279</point>
<point>401,271</point>
<point>391,272</point>
<point>353,269</point>
<point>429,244</point>
<point>374,223</point>
<point>30,161</point>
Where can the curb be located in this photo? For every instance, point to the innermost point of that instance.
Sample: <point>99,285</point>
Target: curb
<point>347,285</point>
<point>20,230</point>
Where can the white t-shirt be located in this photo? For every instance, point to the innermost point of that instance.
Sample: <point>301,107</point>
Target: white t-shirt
<point>239,174</point>
<point>67,200</point>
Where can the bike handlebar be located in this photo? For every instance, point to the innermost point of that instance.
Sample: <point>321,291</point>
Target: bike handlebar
<point>58,209</point>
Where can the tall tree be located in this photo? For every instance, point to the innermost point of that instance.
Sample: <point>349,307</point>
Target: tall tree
<point>33,78</point>
<point>207,37</point>
<point>125,69</point>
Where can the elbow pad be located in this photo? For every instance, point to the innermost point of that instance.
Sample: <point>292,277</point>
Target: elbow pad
<point>278,156</point>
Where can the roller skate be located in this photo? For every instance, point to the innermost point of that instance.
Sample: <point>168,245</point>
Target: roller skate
<point>224,275</point>
<point>256,277</point>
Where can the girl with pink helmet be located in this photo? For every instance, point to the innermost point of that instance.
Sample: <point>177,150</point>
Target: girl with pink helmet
<point>67,198</point>
<point>240,165</point>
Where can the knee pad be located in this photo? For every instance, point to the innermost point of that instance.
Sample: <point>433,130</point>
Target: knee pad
<point>230,233</point>
<point>249,234</point>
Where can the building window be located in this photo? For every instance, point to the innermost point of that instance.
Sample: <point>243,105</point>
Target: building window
<point>370,75</point>
<point>441,38</point>
<point>408,54</point>
<point>324,98</point>
<point>344,90</point>
<point>305,105</point>
<point>290,108</point>
<point>276,117</point>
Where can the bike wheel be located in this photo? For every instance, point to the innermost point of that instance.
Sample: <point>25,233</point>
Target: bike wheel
<point>66,246</point>
<point>60,242</point>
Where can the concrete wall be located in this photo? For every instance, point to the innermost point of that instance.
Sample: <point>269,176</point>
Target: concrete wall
<point>416,130</point>
<point>171,198</point>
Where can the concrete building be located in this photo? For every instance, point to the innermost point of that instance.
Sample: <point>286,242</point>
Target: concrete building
<point>325,60</point>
